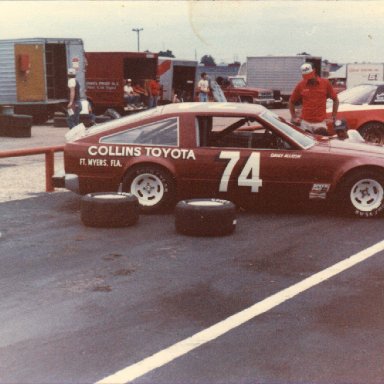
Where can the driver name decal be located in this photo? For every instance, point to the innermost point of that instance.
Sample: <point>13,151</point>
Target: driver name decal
<point>286,155</point>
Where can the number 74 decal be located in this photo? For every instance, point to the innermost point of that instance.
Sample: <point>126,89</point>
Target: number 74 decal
<point>249,176</point>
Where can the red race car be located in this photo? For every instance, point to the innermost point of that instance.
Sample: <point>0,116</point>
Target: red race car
<point>362,107</point>
<point>233,151</point>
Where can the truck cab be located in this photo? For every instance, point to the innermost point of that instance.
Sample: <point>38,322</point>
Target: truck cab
<point>236,90</point>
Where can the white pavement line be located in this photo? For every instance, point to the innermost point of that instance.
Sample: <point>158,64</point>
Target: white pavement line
<point>181,348</point>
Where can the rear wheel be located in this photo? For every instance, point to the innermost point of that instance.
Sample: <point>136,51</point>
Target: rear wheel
<point>153,186</point>
<point>373,132</point>
<point>362,194</point>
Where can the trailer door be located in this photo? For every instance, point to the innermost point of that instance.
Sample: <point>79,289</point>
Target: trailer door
<point>140,69</point>
<point>184,81</point>
<point>29,68</point>
<point>56,70</point>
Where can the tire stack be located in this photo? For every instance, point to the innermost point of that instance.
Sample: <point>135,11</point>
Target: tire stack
<point>15,125</point>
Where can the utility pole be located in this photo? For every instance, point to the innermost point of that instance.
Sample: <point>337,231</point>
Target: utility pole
<point>137,30</point>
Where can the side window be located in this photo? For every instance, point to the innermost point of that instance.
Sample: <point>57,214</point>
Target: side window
<point>237,132</point>
<point>164,132</point>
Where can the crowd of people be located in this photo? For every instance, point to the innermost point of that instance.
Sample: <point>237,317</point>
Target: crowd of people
<point>140,96</point>
<point>311,93</point>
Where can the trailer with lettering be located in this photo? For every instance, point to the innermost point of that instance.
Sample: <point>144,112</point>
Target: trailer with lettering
<point>107,71</point>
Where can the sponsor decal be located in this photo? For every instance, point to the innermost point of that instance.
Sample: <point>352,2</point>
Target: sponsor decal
<point>319,191</point>
<point>102,85</point>
<point>125,151</point>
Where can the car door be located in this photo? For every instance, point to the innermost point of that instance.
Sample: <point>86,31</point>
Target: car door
<point>236,169</point>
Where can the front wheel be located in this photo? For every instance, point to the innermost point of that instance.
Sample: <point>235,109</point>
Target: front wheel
<point>362,194</point>
<point>153,186</point>
<point>373,132</point>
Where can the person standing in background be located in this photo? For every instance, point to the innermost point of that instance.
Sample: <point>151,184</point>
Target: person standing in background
<point>203,87</point>
<point>74,104</point>
<point>154,92</point>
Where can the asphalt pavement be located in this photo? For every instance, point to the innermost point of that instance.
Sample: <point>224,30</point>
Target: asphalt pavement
<point>80,304</point>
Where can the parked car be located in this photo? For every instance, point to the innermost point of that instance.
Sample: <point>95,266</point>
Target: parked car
<point>362,107</point>
<point>240,152</point>
<point>236,89</point>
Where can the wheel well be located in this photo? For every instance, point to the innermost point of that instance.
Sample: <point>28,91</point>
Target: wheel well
<point>351,172</point>
<point>360,129</point>
<point>150,164</point>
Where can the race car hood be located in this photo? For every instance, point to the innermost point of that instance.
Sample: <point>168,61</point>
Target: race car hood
<point>366,149</point>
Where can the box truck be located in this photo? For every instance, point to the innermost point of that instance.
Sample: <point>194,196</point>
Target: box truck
<point>106,72</point>
<point>177,76</point>
<point>277,72</point>
<point>363,73</point>
<point>33,74</point>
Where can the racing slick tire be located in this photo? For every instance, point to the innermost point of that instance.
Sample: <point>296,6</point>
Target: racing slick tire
<point>362,194</point>
<point>109,209</point>
<point>153,186</point>
<point>373,132</point>
<point>205,217</point>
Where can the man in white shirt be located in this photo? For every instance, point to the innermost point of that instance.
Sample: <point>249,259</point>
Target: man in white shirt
<point>203,87</point>
<point>130,96</point>
<point>74,104</point>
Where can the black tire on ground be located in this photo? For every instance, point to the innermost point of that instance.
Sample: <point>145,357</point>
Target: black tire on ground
<point>205,217</point>
<point>373,132</point>
<point>154,187</point>
<point>362,194</point>
<point>15,125</point>
<point>109,209</point>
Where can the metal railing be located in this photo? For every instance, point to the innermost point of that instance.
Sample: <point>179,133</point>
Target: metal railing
<point>49,160</point>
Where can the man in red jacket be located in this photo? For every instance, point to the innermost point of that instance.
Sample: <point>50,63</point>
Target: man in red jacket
<point>313,92</point>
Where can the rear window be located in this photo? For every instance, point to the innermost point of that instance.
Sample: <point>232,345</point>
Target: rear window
<point>163,132</point>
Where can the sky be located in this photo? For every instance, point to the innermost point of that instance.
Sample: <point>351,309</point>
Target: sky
<point>339,31</point>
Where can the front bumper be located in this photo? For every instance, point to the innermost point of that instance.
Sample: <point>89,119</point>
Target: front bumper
<point>66,180</point>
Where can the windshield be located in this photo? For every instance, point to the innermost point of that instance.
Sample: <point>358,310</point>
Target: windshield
<point>300,138</point>
<point>361,94</point>
<point>238,83</point>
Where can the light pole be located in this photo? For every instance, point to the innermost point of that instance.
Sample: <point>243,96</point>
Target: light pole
<point>137,30</point>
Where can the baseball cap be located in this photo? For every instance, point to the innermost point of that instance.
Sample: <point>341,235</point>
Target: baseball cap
<point>307,71</point>
<point>340,125</point>
<point>71,72</point>
<point>129,80</point>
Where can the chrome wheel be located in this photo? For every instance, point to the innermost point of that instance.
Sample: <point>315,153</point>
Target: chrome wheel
<point>148,188</point>
<point>366,195</point>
